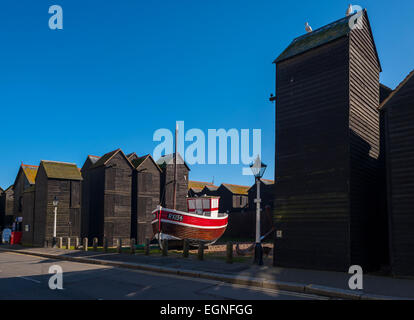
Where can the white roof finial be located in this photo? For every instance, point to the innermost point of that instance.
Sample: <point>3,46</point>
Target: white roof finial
<point>308,28</point>
<point>349,10</point>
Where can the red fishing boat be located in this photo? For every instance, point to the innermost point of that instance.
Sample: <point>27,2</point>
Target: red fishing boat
<point>202,222</point>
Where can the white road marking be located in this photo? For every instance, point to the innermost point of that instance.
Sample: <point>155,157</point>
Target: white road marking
<point>29,279</point>
<point>231,285</point>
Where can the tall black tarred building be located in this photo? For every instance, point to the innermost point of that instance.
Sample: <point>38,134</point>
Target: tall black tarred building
<point>327,148</point>
<point>398,113</point>
<point>6,207</point>
<point>59,180</point>
<point>25,178</point>
<point>1,208</point>
<point>266,194</point>
<point>87,191</point>
<point>166,163</point>
<point>209,190</point>
<point>233,198</point>
<point>195,188</point>
<point>145,196</point>
<point>107,184</point>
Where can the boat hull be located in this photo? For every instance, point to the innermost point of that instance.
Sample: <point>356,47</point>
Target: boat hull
<point>182,225</point>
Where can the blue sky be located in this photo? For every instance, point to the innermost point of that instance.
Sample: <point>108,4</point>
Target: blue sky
<point>119,70</point>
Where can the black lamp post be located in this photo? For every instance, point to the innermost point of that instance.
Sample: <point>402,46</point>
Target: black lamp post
<point>258,169</point>
<point>55,204</point>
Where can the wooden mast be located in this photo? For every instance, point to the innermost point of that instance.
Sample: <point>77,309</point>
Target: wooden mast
<point>175,168</point>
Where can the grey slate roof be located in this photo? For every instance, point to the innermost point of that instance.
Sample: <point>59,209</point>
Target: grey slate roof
<point>323,35</point>
<point>316,38</point>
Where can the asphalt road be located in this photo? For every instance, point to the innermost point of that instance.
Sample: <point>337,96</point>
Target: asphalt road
<point>27,277</point>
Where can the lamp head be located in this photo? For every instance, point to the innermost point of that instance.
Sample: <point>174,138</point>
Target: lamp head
<point>258,168</point>
<point>55,202</point>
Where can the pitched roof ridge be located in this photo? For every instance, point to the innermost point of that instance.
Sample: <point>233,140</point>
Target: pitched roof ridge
<point>58,162</point>
<point>130,155</point>
<point>201,181</point>
<point>236,185</point>
<point>111,154</point>
<point>113,151</point>
<point>236,189</point>
<point>386,87</point>
<point>326,26</point>
<point>29,165</point>
<point>143,158</point>
<point>397,89</point>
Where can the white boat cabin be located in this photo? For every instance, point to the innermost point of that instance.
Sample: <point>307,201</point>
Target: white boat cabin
<point>205,206</point>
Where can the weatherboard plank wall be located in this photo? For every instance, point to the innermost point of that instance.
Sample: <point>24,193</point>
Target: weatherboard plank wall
<point>93,202</point>
<point>28,215</point>
<point>233,198</point>
<point>109,190</point>
<point>117,200</point>
<point>368,227</point>
<point>1,209</point>
<point>311,199</point>
<point>325,139</point>
<point>166,163</point>
<point>399,115</point>
<point>6,207</point>
<point>24,179</point>
<point>145,197</point>
<point>63,181</point>
<point>86,191</point>
<point>382,194</point>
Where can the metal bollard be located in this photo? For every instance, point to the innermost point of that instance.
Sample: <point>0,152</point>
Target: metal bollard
<point>186,248</point>
<point>60,242</point>
<point>105,244</point>
<point>132,246</point>
<point>229,252</point>
<point>165,247</point>
<point>85,244</point>
<point>200,255</point>
<point>119,247</point>
<point>147,246</point>
<point>95,244</point>
<point>76,243</point>
<point>68,243</point>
